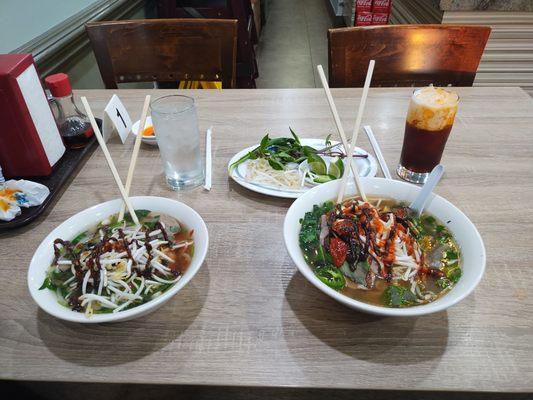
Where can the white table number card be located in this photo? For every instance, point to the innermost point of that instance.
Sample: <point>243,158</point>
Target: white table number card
<point>116,119</point>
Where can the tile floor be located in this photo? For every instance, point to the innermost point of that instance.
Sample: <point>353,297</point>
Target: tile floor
<point>293,42</point>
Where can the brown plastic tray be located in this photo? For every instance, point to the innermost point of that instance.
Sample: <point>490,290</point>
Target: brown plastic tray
<point>55,182</point>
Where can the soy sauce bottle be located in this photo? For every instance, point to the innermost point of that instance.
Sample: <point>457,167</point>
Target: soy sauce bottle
<point>74,126</point>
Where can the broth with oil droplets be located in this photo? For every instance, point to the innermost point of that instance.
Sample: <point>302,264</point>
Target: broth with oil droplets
<point>379,253</point>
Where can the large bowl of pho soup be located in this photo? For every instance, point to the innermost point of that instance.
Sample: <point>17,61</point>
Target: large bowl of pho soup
<point>457,223</point>
<point>87,220</point>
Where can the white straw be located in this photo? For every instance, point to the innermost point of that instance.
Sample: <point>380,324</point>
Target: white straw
<point>208,162</point>
<point>136,148</point>
<point>368,79</point>
<point>338,122</point>
<point>2,179</point>
<point>377,151</point>
<point>109,160</point>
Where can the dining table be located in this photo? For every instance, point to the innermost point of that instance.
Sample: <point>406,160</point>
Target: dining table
<point>249,321</point>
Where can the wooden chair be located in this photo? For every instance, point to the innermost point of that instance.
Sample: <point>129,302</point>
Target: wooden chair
<point>241,10</point>
<point>406,55</point>
<point>165,50</point>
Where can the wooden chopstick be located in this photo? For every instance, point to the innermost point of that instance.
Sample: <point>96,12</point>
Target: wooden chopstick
<point>109,160</point>
<point>342,188</point>
<point>338,124</point>
<point>135,153</point>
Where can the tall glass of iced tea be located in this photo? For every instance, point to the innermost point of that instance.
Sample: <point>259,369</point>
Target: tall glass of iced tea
<point>429,122</point>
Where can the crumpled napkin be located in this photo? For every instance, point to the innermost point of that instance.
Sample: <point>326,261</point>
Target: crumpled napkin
<point>16,194</point>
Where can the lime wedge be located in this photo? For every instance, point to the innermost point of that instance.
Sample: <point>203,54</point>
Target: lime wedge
<point>323,178</point>
<point>318,167</point>
<point>336,168</point>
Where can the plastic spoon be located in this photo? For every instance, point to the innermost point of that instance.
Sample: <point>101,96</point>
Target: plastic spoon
<point>418,205</point>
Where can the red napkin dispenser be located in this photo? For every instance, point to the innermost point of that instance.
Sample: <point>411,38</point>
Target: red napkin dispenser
<point>30,143</point>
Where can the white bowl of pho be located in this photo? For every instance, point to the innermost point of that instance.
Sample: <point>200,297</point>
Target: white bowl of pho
<point>93,268</point>
<point>378,257</point>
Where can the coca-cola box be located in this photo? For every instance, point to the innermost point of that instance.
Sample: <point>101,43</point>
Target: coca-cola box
<point>363,18</point>
<point>363,6</point>
<point>381,6</point>
<point>380,18</point>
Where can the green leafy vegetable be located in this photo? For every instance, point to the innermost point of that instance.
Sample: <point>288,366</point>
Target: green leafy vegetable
<point>398,296</point>
<point>454,274</point>
<point>151,224</point>
<point>140,215</point>
<point>79,238</point>
<point>310,230</point>
<point>47,284</point>
<point>358,275</point>
<point>443,283</point>
<point>279,152</point>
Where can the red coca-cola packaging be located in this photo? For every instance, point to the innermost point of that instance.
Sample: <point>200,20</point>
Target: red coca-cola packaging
<point>363,18</point>
<point>381,6</point>
<point>380,18</point>
<point>363,6</point>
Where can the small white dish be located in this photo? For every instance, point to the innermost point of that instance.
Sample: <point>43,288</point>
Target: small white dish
<point>367,167</point>
<point>463,230</point>
<point>151,140</point>
<point>88,218</point>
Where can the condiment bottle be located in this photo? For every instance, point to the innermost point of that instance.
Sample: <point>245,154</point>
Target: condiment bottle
<point>74,126</point>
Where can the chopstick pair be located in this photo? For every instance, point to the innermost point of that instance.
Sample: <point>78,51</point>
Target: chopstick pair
<point>124,191</point>
<point>349,148</point>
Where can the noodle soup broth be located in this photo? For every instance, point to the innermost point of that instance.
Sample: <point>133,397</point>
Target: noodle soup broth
<point>378,253</point>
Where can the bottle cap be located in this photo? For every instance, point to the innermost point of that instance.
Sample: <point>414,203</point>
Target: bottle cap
<point>59,85</point>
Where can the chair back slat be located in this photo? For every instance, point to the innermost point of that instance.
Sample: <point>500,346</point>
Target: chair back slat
<point>406,55</point>
<point>165,50</point>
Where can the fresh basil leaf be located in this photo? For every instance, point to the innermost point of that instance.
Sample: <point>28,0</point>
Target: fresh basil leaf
<point>243,159</point>
<point>308,151</point>
<point>264,143</point>
<point>274,163</point>
<point>296,138</point>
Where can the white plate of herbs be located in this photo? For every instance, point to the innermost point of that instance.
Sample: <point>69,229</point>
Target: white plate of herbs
<point>289,166</point>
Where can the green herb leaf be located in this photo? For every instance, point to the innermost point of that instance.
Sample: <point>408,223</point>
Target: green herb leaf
<point>296,138</point>
<point>397,296</point>
<point>276,164</point>
<point>243,159</point>
<point>47,284</point>
<point>310,230</point>
<point>151,224</point>
<point>79,238</point>
<point>454,274</point>
<point>264,143</point>
<point>140,215</point>
<point>443,283</point>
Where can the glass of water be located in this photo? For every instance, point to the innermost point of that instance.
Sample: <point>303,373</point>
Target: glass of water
<point>176,129</point>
